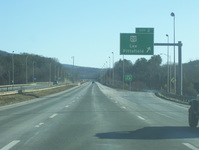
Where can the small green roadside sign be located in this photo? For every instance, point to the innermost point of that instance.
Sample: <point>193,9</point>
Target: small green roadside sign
<point>139,43</point>
<point>128,77</point>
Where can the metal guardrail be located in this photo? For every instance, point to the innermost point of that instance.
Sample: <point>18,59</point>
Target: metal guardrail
<point>174,97</point>
<point>4,88</point>
<point>20,88</point>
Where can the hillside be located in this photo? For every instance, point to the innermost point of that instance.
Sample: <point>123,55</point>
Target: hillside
<point>84,72</point>
<point>40,73</point>
<point>3,53</point>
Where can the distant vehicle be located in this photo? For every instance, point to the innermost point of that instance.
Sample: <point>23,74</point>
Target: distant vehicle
<point>55,82</point>
<point>93,81</point>
<point>194,112</point>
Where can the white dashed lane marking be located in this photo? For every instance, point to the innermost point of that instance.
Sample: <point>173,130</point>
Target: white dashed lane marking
<point>190,146</point>
<point>141,118</point>
<point>52,116</point>
<point>40,124</point>
<point>10,145</point>
<point>123,107</point>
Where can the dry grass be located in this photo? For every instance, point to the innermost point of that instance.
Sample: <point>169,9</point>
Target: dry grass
<point>15,98</point>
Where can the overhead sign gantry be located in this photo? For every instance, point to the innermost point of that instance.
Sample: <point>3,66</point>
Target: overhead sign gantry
<point>142,43</point>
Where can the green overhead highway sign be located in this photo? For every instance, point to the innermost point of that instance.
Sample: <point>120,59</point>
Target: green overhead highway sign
<point>145,30</point>
<point>140,43</point>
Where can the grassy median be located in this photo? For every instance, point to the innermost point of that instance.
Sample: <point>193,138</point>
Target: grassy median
<point>16,98</point>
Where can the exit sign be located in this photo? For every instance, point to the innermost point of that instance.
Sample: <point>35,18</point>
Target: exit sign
<point>139,43</point>
<point>145,30</point>
<point>136,44</point>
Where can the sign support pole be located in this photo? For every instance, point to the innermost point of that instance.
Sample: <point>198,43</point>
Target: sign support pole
<point>180,67</point>
<point>179,81</point>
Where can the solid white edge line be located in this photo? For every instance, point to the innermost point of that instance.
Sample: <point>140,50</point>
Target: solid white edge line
<point>10,145</point>
<point>52,116</point>
<point>190,146</point>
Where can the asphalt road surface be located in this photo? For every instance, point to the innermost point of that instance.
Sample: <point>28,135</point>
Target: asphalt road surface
<point>95,117</point>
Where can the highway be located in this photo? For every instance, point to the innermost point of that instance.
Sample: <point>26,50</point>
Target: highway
<point>95,117</point>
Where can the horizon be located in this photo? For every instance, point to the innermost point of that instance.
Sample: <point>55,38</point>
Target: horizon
<point>71,65</point>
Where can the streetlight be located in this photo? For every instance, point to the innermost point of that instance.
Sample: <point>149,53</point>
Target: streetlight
<point>109,61</point>
<point>109,70</point>
<point>9,77</point>
<point>73,67</point>
<point>168,74</point>
<point>33,72</point>
<point>123,72</point>
<point>26,69</point>
<point>50,74</point>
<point>73,57</point>
<point>113,68</point>
<point>173,15</point>
<point>13,69</point>
<point>104,73</point>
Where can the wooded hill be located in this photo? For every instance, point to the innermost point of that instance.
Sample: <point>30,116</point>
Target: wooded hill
<point>82,73</point>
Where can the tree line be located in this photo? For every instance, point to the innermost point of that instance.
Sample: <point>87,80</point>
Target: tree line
<point>28,68</point>
<point>151,75</point>
<point>146,74</point>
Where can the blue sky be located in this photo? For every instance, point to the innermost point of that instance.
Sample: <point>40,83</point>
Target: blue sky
<point>90,30</point>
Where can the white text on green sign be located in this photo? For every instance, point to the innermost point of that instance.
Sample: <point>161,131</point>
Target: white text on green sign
<point>144,30</point>
<point>128,77</point>
<point>136,44</point>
